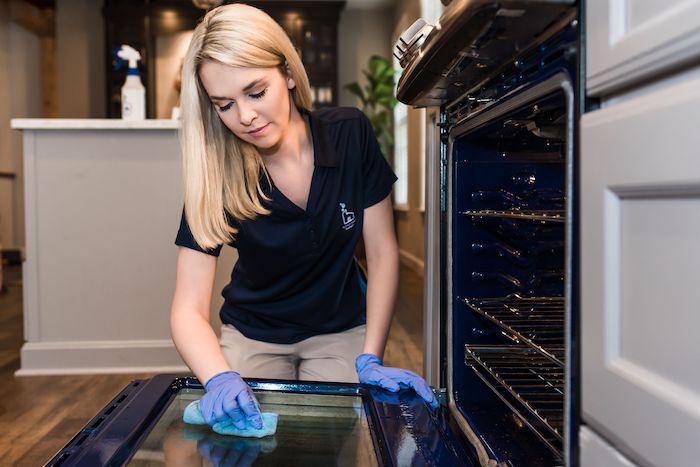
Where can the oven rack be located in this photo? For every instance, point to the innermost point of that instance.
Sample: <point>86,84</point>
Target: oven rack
<point>544,215</point>
<point>537,322</point>
<point>528,383</point>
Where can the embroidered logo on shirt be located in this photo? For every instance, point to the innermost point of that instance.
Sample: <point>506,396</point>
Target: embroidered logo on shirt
<point>347,216</point>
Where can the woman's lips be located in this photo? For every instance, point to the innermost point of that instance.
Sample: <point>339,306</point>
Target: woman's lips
<point>258,131</point>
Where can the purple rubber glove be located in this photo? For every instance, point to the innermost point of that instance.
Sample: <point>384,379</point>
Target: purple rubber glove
<point>229,397</point>
<point>371,371</point>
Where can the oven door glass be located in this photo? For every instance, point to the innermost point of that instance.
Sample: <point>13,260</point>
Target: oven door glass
<point>313,429</point>
<point>319,424</point>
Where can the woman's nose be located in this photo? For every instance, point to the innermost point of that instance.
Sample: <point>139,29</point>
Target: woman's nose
<point>246,114</point>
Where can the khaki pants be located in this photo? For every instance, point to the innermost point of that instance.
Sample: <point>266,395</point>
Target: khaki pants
<point>327,357</point>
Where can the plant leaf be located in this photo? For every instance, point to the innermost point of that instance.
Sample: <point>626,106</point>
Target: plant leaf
<point>381,119</point>
<point>379,91</point>
<point>386,75</point>
<point>384,89</point>
<point>378,65</point>
<point>355,89</point>
<point>389,137</point>
<point>371,81</point>
<point>388,101</point>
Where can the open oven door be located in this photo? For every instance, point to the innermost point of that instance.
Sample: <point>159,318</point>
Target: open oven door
<point>319,424</point>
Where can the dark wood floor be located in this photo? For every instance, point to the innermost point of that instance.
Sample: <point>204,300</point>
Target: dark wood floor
<point>40,414</point>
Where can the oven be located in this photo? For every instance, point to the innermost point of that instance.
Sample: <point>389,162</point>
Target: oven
<point>501,291</point>
<point>501,83</point>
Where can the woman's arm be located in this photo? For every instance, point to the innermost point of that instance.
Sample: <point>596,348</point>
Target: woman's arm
<point>189,316</point>
<point>227,395</point>
<point>383,274</point>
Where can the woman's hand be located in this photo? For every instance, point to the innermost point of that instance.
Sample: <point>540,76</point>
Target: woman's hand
<point>229,397</point>
<point>371,371</point>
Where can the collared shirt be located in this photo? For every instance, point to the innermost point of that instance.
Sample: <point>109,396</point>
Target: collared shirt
<point>296,274</point>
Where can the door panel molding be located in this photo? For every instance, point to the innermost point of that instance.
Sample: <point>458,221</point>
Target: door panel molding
<point>622,51</point>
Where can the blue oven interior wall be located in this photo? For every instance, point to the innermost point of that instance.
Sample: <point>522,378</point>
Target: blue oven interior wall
<point>502,166</point>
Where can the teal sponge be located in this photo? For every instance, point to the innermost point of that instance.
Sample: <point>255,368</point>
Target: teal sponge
<point>193,416</point>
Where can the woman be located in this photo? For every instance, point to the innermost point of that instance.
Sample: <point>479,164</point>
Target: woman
<point>292,190</point>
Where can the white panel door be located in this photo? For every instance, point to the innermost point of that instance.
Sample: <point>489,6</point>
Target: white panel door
<point>640,274</point>
<point>629,40</point>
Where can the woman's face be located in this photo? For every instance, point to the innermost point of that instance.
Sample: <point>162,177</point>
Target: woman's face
<point>253,103</point>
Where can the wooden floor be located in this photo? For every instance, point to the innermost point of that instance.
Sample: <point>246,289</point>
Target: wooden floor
<point>40,414</point>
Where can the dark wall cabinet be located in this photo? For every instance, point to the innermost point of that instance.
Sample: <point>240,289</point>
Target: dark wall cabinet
<point>311,25</point>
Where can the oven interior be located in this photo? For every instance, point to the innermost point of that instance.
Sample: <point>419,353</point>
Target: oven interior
<point>509,278</point>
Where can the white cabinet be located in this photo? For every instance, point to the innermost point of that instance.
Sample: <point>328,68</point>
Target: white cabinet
<point>627,41</point>
<point>640,273</point>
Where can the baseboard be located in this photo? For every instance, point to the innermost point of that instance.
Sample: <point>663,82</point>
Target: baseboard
<point>100,357</point>
<point>416,264</point>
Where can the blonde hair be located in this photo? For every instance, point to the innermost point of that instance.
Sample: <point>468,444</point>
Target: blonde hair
<point>222,173</point>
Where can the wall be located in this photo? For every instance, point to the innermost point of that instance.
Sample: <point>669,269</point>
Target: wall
<point>373,31</point>
<point>170,52</point>
<point>410,222</point>
<point>20,97</point>
<point>80,65</point>
<point>361,34</point>
<point>79,86</point>
<point>410,225</point>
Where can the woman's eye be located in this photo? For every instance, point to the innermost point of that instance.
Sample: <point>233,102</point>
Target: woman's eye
<point>226,107</point>
<point>259,95</point>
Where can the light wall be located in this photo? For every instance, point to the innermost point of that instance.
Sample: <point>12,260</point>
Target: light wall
<point>410,222</point>
<point>20,96</point>
<point>170,52</point>
<point>80,60</point>
<point>361,34</point>
<point>80,91</point>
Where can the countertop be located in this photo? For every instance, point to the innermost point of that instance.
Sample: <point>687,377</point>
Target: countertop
<point>92,124</point>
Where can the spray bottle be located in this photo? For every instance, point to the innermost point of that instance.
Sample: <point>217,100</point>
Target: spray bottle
<point>133,92</point>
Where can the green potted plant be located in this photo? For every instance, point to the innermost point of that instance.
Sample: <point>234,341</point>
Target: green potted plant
<point>378,99</point>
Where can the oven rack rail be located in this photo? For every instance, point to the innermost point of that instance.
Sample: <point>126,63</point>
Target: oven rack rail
<point>529,384</point>
<point>537,322</point>
<point>543,215</point>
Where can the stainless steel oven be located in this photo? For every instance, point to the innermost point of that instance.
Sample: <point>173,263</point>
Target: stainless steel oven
<point>501,293</point>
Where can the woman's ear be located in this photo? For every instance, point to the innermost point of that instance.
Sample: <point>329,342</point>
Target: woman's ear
<point>290,83</point>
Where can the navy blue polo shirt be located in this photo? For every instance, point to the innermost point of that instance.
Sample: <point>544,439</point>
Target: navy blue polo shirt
<point>296,275</point>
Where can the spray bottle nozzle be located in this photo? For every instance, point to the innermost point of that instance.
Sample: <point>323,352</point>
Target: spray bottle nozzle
<point>126,52</point>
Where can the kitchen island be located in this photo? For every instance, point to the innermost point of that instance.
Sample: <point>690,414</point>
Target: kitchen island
<point>103,200</point>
